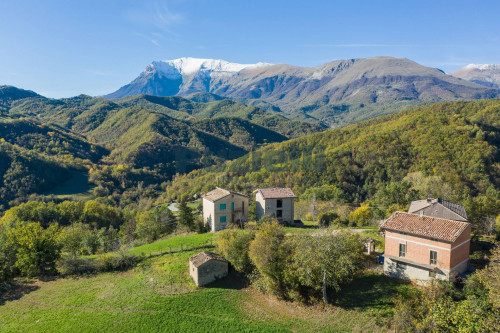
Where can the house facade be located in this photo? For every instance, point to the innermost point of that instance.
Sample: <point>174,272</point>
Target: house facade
<point>276,202</point>
<point>422,248</point>
<point>222,207</point>
<point>206,267</point>
<point>439,208</point>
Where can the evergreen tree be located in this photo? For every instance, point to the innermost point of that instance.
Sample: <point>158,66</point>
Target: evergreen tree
<point>186,217</point>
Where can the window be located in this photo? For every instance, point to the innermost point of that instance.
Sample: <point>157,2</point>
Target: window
<point>279,203</point>
<point>432,274</point>
<point>401,266</point>
<point>222,206</point>
<point>402,250</point>
<point>232,206</point>
<point>222,219</point>
<point>434,257</point>
<point>279,213</point>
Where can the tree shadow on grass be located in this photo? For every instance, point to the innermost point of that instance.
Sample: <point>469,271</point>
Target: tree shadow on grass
<point>233,281</point>
<point>14,291</point>
<point>371,292</point>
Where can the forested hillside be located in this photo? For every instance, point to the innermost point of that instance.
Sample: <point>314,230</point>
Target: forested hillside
<point>135,144</point>
<point>449,150</point>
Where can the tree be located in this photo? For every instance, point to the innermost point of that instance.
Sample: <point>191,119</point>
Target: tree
<point>37,249</point>
<point>186,217</point>
<point>234,245</point>
<point>269,255</point>
<point>7,256</point>
<point>324,261</point>
<point>71,238</point>
<point>91,242</point>
<point>361,216</point>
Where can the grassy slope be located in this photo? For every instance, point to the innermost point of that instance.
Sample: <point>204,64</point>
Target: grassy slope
<point>159,295</point>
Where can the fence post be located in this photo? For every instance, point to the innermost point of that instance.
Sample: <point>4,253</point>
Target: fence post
<point>181,247</point>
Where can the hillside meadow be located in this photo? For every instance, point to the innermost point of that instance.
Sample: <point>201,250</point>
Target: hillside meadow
<point>158,295</point>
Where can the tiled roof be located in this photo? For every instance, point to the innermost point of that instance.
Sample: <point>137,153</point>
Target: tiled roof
<point>205,256</point>
<point>220,193</point>
<point>427,226</point>
<point>417,205</point>
<point>276,193</point>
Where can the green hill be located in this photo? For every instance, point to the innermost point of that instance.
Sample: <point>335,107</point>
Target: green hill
<point>137,140</point>
<point>456,143</point>
<point>23,172</point>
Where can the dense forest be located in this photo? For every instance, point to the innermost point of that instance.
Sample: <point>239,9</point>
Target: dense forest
<point>448,150</point>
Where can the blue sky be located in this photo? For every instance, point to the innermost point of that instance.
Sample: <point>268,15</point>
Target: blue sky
<point>65,48</point>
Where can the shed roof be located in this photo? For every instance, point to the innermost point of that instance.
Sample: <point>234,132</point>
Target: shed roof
<point>417,205</point>
<point>205,256</point>
<point>426,226</point>
<point>220,193</point>
<point>276,193</point>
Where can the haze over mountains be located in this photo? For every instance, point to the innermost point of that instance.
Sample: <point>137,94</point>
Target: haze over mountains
<point>485,74</point>
<point>337,93</point>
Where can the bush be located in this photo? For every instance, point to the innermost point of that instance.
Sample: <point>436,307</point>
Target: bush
<point>328,218</point>
<point>71,265</point>
<point>122,261</point>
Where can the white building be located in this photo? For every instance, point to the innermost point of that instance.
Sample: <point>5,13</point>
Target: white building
<point>222,207</point>
<point>276,202</point>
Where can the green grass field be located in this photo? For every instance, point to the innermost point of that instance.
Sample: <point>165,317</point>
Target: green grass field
<point>175,243</point>
<point>77,188</point>
<point>158,295</point>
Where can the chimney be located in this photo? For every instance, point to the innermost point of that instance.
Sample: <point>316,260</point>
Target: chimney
<point>429,198</point>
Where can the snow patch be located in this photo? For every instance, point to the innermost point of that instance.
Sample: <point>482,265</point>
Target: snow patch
<point>188,66</point>
<point>483,67</point>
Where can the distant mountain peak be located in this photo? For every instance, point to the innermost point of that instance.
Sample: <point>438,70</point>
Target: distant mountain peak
<point>190,66</point>
<point>487,75</point>
<point>483,67</point>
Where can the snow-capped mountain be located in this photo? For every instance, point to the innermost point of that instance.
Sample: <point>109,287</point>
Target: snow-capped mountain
<point>182,76</point>
<point>341,91</point>
<point>191,66</point>
<point>485,74</point>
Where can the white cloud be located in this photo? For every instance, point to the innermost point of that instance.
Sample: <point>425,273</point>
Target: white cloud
<point>148,38</point>
<point>157,15</point>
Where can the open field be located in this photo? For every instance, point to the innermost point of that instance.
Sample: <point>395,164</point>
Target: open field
<point>158,295</point>
<point>77,188</point>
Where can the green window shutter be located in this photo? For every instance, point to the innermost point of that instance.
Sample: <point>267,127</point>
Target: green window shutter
<point>222,207</point>
<point>222,219</point>
<point>232,206</point>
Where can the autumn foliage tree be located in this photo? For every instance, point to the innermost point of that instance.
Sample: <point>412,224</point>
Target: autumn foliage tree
<point>37,249</point>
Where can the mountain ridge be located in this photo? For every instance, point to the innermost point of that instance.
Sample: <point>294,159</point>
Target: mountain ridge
<point>337,93</point>
<point>487,75</point>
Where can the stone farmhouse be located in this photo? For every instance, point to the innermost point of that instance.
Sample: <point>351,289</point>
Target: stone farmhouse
<point>420,247</point>
<point>439,208</point>
<point>206,267</point>
<point>221,207</point>
<point>276,202</point>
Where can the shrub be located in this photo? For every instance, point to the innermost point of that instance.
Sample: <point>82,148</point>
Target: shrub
<point>328,218</point>
<point>122,261</point>
<point>71,265</point>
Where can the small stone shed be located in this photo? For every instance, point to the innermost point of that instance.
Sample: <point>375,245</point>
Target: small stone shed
<point>206,267</point>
